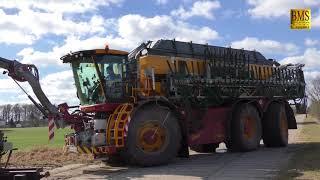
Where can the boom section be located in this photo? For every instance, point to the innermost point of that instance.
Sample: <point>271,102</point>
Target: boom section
<point>29,73</point>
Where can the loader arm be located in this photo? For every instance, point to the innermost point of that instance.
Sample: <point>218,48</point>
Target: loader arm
<point>29,72</point>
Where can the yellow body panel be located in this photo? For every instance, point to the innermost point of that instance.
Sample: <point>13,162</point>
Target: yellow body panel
<point>261,72</point>
<point>183,65</point>
<point>160,66</point>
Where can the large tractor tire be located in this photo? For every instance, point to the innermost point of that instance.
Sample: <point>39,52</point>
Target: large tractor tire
<point>245,129</point>
<point>115,160</point>
<point>205,148</point>
<point>154,137</point>
<point>275,126</point>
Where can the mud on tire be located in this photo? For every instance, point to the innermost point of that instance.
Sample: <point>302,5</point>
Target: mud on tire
<point>154,137</point>
<point>245,128</point>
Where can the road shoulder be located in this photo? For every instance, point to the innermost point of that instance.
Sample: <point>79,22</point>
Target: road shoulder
<point>305,161</point>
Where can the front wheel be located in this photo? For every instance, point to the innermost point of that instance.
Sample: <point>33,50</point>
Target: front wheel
<point>153,137</point>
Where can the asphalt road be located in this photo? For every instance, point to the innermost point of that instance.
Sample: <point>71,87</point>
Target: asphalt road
<point>264,163</point>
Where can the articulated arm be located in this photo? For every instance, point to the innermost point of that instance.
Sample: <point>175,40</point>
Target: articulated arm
<point>27,72</point>
<point>5,63</point>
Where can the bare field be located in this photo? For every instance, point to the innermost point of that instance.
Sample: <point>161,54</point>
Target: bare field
<point>48,157</point>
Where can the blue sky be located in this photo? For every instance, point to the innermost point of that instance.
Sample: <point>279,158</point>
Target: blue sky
<point>40,32</point>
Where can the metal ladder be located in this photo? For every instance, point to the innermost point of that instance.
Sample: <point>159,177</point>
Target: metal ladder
<point>116,124</point>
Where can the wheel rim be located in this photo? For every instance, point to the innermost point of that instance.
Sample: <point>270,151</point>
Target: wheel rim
<point>283,125</point>
<point>249,128</point>
<point>151,137</point>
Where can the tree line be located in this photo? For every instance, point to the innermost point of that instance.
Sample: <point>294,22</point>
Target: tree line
<point>314,96</point>
<point>26,115</point>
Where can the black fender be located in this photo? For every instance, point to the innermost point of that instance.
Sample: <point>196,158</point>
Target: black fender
<point>292,122</point>
<point>164,102</point>
<point>270,101</point>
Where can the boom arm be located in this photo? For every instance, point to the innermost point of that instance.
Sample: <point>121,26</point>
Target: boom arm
<point>29,72</point>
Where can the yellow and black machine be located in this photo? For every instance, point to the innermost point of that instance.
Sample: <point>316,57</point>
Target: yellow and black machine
<point>151,105</point>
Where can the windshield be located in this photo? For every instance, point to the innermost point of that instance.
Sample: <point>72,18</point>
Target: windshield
<point>89,88</point>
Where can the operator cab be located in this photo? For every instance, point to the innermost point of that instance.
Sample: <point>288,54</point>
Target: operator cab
<point>98,74</point>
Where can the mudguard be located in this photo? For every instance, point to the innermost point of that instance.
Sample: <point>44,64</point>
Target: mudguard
<point>292,123</point>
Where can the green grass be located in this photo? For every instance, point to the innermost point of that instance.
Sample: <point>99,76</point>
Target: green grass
<point>28,138</point>
<point>305,163</point>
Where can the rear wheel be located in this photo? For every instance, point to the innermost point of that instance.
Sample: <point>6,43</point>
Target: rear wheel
<point>245,129</point>
<point>153,137</point>
<point>205,148</point>
<point>275,126</point>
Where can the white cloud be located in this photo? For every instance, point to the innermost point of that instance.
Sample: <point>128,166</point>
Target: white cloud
<point>266,46</point>
<point>58,87</point>
<point>311,42</point>
<point>14,98</point>
<point>161,2</point>
<point>59,6</point>
<point>277,8</point>
<point>232,13</point>
<point>131,30</point>
<point>43,23</point>
<point>310,58</point>
<point>309,75</point>
<point>11,93</point>
<point>16,37</point>
<point>33,19</point>
<point>71,44</point>
<point>7,84</point>
<point>315,22</point>
<point>137,28</point>
<point>199,8</point>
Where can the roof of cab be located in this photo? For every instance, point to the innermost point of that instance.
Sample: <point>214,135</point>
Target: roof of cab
<point>68,57</point>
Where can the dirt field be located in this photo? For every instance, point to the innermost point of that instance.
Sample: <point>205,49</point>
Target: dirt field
<point>47,157</point>
<point>262,164</point>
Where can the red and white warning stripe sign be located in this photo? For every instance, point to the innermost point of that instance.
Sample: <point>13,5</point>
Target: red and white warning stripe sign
<point>51,127</point>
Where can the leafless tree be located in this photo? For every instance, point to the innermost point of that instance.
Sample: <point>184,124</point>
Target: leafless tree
<point>21,112</point>
<point>6,112</point>
<point>24,111</point>
<point>34,115</point>
<point>314,95</point>
<point>16,112</point>
<point>314,90</point>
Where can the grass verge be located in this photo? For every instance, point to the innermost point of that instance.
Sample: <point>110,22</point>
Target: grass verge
<point>305,162</point>
<point>27,138</point>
